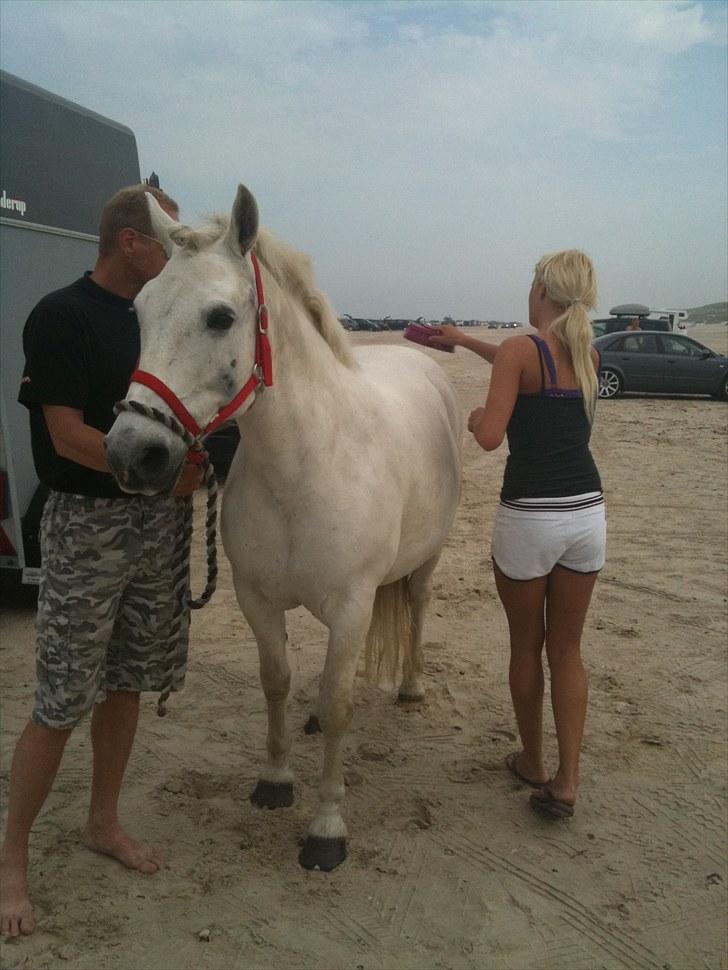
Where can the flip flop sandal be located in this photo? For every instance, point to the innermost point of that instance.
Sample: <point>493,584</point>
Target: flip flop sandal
<point>547,804</point>
<point>511,762</point>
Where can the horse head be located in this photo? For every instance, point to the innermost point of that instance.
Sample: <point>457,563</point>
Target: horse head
<point>198,322</point>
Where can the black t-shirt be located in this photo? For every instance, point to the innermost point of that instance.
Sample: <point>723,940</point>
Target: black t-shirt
<point>81,345</point>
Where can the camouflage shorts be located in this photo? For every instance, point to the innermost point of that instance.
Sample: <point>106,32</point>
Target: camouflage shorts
<point>106,602</point>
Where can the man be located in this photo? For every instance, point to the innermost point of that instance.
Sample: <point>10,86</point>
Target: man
<point>105,602</point>
<point>634,324</point>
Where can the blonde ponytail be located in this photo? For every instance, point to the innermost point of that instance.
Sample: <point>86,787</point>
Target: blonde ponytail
<point>570,280</point>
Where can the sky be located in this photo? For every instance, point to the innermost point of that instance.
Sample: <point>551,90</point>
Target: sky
<point>424,154</point>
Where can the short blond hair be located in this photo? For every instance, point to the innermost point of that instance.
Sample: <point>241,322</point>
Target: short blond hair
<point>128,207</point>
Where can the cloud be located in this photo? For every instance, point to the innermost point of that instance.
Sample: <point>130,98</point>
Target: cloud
<point>394,141</point>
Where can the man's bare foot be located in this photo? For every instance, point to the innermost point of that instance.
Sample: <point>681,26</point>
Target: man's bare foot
<point>114,841</point>
<point>16,911</point>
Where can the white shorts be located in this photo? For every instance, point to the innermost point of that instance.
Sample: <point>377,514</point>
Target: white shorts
<point>532,535</point>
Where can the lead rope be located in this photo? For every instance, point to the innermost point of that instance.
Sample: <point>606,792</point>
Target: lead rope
<point>183,601</point>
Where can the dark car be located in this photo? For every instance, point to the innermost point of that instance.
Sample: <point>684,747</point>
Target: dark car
<point>666,363</point>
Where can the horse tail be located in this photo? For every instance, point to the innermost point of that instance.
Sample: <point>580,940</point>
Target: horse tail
<point>391,636</point>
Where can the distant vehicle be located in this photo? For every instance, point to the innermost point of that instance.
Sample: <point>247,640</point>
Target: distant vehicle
<point>622,315</point>
<point>666,363</point>
<point>364,323</point>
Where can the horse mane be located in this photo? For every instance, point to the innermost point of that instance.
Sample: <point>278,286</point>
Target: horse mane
<point>290,268</point>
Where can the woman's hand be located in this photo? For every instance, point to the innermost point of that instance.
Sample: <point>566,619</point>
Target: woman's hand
<point>447,335</point>
<point>474,420</point>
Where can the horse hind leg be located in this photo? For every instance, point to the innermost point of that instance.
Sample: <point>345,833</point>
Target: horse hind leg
<point>419,591</point>
<point>275,784</point>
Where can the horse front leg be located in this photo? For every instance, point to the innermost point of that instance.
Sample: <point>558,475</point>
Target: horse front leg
<point>325,846</point>
<point>275,783</point>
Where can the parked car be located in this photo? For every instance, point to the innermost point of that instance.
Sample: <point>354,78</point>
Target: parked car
<point>666,363</point>
<point>617,324</point>
<point>623,315</point>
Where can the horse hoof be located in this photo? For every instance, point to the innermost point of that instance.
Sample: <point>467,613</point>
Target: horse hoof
<point>410,698</point>
<point>271,794</point>
<point>323,854</point>
<point>312,725</point>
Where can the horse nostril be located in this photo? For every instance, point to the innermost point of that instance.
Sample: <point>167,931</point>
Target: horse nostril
<point>153,462</point>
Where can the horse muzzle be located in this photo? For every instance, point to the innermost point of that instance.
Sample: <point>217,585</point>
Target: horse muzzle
<point>144,458</point>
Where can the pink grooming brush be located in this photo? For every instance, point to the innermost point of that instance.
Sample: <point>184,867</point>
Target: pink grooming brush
<point>420,333</point>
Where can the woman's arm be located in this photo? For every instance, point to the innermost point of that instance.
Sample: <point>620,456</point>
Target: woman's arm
<point>488,424</point>
<point>451,336</point>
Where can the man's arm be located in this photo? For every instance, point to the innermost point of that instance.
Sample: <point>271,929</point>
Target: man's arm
<point>79,442</point>
<point>75,440</point>
<point>451,336</point>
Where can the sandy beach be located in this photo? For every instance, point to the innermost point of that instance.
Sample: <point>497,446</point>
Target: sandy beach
<point>447,867</point>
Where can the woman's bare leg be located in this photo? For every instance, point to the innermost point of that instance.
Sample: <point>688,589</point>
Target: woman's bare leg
<point>567,601</point>
<point>524,606</point>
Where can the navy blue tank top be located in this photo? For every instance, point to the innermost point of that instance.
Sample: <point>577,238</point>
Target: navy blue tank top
<point>548,439</point>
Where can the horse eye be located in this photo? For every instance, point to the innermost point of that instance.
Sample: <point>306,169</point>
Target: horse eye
<point>220,318</point>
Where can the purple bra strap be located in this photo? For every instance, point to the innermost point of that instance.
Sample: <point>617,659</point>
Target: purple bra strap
<point>544,352</point>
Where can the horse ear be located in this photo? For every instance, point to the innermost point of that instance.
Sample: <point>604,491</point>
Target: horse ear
<point>161,223</point>
<point>243,222</point>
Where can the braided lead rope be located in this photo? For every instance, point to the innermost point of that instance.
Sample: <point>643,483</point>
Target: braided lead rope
<point>183,601</point>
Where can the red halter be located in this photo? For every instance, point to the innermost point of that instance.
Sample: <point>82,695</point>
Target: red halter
<point>262,374</point>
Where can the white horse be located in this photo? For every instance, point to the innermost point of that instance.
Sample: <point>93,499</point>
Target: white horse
<point>343,488</point>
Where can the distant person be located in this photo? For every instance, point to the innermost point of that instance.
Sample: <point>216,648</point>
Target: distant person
<point>550,532</point>
<point>106,597</point>
<point>634,324</point>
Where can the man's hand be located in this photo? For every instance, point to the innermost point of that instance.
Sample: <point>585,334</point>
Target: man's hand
<point>189,481</point>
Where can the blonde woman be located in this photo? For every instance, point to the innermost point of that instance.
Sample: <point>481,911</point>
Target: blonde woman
<point>550,531</point>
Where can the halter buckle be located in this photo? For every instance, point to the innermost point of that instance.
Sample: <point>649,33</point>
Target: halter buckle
<point>262,318</point>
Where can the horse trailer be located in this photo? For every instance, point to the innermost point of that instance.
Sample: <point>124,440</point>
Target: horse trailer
<point>60,164</point>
